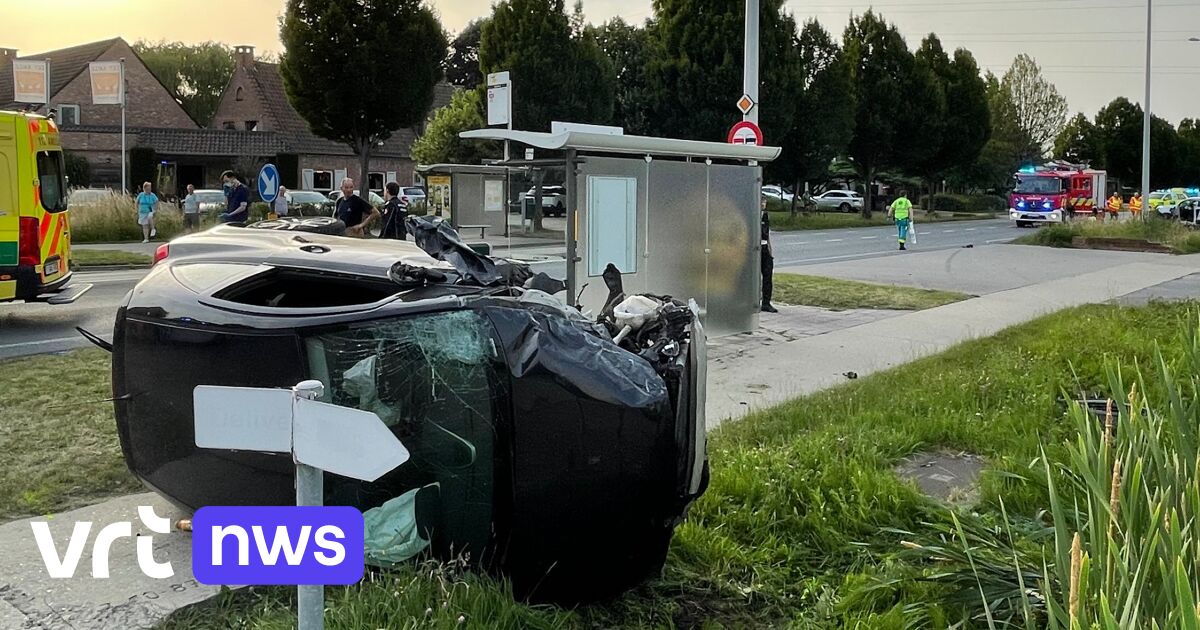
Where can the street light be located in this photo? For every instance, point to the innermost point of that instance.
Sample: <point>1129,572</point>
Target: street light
<point>1146,108</point>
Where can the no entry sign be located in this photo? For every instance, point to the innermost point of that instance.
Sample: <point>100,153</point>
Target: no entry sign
<point>745,132</point>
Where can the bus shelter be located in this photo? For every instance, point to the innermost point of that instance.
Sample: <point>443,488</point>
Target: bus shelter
<point>472,195</point>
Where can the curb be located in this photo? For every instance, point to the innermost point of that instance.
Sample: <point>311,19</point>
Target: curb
<point>85,268</point>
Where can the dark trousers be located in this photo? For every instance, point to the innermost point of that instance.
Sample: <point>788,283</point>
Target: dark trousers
<point>768,269</point>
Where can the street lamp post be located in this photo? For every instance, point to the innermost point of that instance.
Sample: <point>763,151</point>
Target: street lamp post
<point>1145,191</point>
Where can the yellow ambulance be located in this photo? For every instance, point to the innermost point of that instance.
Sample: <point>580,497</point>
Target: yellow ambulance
<point>35,233</point>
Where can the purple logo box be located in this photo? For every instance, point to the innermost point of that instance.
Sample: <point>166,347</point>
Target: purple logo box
<point>277,545</point>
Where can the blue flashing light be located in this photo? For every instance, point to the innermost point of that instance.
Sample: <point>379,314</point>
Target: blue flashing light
<point>1048,205</point>
<point>1029,169</point>
<point>1021,204</point>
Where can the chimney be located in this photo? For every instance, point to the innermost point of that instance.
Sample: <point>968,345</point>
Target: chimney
<point>244,55</point>
<point>8,54</point>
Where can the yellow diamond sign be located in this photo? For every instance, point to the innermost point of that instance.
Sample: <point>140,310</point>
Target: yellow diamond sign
<point>745,104</point>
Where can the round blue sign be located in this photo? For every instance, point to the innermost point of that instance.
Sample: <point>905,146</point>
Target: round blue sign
<point>268,183</point>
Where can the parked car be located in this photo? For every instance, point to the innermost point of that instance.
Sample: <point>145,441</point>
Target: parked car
<point>308,203</point>
<point>777,192</point>
<point>211,201</point>
<point>415,194</point>
<point>481,379</point>
<point>554,200</point>
<point>840,200</point>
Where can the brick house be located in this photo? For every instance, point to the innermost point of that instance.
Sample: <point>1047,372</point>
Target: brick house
<point>255,101</point>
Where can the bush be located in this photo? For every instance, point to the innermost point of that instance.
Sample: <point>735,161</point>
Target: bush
<point>79,170</point>
<point>976,204</point>
<point>114,220</point>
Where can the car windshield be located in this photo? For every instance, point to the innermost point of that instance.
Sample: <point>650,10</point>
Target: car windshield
<point>52,183</point>
<point>210,197</point>
<point>1038,185</point>
<point>414,192</point>
<point>1156,196</point>
<point>308,196</point>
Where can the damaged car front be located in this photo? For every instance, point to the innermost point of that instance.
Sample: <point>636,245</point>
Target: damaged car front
<point>541,448</point>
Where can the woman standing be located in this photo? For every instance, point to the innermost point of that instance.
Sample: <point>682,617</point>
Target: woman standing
<point>146,201</point>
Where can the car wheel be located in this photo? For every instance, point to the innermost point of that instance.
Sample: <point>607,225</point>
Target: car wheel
<point>845,207</point>
<point>316,225</point>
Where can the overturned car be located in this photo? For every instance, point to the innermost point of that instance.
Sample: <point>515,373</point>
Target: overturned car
<point>552,448</point>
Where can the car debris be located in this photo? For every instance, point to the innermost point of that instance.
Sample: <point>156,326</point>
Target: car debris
<point>555,449</point>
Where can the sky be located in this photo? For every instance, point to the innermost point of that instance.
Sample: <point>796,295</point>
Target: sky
<point>1092,50</point>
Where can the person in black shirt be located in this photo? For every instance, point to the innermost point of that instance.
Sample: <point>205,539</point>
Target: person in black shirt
<point>394,213</point>
<point>352,210</point>
<point>768,262</point>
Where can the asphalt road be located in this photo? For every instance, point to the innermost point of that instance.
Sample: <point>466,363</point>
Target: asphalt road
<point>39,328</point>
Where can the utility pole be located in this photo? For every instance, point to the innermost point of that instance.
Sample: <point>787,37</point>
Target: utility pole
<point>1145,192</point>
<point>750,61</point>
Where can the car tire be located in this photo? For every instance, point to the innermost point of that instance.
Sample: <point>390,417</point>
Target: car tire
<point>315,225</point>
<point>845,207</point>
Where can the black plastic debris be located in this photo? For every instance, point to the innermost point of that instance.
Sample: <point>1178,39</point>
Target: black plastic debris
<point>437,238</point>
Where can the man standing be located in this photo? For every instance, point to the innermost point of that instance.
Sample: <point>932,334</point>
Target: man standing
<point>901,211</point>
<point>352,210</point>
<point>191,210</point>
<point>237,207</point>
<point>1114,205</point>
<point>1135,205</point>
<point>394,213</point>
<point>280,205</point>
<point>768,262</point>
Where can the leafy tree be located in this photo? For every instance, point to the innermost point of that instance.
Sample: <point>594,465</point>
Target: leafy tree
<point>1164,153</point>
<point>880,66</point>
<point>195,75</point>
<point>1040,111</point>
<point>966,123</point>
<point>440,142</point>
<point>695,72</point>
<point>555,76</point>
<point>1189,152</point>
<point>342,61</point>
<point>1007,149</point>
<point>1080,143</point>
<point>462,69</point>
<point>628,50</point>
<point>809,147</point>
<point>1119,126</point>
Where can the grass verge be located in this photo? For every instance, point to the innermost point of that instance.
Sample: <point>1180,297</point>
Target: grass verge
<point>1179,237</point>
<point>101,257</point>
<point>784,221</point>
<point>840,295</point>
<point>804,521</point>
<point>58,437</point>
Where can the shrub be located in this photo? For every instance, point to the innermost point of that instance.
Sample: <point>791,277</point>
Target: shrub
<point>114,219</point>
<point>79,170</point>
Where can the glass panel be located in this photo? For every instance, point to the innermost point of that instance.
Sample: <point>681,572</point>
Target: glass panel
<point>432,379</point>
<point>612,224</point>
<point>52,181</point>
<point>734,276</point>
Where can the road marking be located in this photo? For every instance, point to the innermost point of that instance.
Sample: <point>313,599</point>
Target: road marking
<point>834,240</point>
<point>970,229</point>
<point>948,231</point>
<point>869,237</point>
<point>42,342</point>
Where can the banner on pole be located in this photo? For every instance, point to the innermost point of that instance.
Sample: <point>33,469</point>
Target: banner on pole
<point>31,81</point>
<point>106,82</point>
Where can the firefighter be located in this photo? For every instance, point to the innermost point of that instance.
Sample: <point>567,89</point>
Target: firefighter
<point>1135,205</point>
<point>1114,205</point>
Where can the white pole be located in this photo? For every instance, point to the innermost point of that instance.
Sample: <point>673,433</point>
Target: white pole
<point>124,155</point>
<point>750,62</point>
<point>1146,108</point>
<point>310,491</point>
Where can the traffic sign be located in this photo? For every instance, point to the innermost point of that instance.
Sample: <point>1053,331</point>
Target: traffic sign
<point>268,183</point>
<point>745,104</point>
<point>745,132</point>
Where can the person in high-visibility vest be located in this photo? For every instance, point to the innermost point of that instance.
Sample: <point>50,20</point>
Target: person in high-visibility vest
<point>901,211</point>
<point>1135,205</point>
<point>1114,205</point>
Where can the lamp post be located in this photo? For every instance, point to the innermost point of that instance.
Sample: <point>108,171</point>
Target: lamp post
<point>1145,191</point>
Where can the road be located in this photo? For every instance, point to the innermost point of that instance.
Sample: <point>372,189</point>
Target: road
<point>40,328</point>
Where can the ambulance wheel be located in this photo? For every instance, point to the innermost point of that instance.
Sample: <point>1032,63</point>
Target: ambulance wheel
<point>316,225</point>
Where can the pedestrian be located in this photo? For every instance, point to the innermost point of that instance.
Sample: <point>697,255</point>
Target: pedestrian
<point>1114,205</point>
<point>280,205</point>
<point>395,211</point>
<point>352,210</point>
<point>146,202</point>
<point>1135,205</point>
<point>237,205</point>
<point>901,211</point>
<point>191,210</point>
<point>767,261</point>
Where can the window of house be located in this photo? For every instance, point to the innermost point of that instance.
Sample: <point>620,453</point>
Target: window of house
<point>375,181</point>
<point>251,125</point>
<point>229,125</point>
<point>238,94</point>
<point>322,180</point>
<point>68,115</point>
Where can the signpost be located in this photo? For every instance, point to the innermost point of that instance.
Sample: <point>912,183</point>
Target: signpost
<point>108,88</point>
<point>745,132</point>
<point>320,437</point>
<point>31,81</point>
<point>268,183</point>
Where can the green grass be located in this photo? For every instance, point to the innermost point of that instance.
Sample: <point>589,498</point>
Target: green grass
<point>784,221</point>
<point>57,434</point>
<point>840,295</point>
<point>114,220</point>
<point>801,526</point>
<point>99,257</point>
<point>1181,238</point>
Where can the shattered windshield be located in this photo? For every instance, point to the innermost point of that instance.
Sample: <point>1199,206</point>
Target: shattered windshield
<point>431,378</point>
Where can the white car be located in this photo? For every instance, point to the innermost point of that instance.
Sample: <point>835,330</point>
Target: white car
<point>554,200</point>
<point>415,194</point>
<point>374,200</point>
<point>777,192</point>
<point>840,200</point>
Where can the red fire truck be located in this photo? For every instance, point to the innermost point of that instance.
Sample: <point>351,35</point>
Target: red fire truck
<point>1056,192</point>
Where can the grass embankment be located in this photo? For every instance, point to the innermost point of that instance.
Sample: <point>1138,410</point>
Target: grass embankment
<point>1179,237</point>
<point>102,257</point>
<point>804,521</point>
<point>840,295</point>
<point>784,221</point>
<point>58,437</point>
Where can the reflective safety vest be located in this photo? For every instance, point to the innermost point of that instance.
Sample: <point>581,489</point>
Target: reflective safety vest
<point>1114,203</point>
<point>1135,204</point>
<point>901,207</point>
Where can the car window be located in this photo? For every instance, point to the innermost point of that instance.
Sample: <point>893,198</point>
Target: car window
<point>837,194</point>
<point>414,192</point>
<point>307,196</point>
<point>52,180</point>
<point>210,197</point>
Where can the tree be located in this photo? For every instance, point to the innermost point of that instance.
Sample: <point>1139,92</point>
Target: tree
<point>966,124</point>
<point>1164,153</point>
<point>342,61</point>
<point>1007,149</point>
<point>880,65</point>
<point>555,76</point>
<point>695,71</point>
<point>462,69</point>
<point>195,75</point>
<point>78,169</point>
<point>440,142</point>
<point>1189,151</point>
<point>1039,109</point>
<point>628,50</point>
<point>1080,143</point>
<point>809,147</point>
<point>1119,127</point>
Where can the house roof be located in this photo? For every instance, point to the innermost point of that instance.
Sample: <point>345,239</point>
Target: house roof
<point>65,65</point>
<point>209,142</point>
